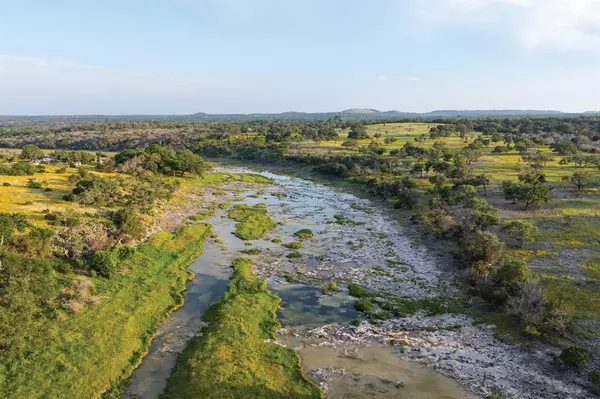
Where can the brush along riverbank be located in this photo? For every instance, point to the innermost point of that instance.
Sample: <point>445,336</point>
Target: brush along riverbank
<point>80,356</point>
<point>235,356</point>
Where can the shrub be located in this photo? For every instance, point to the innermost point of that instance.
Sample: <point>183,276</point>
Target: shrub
<point>407,198</point>
<point>108,262</point>
<point>512,272</point>
<point>304,234</point>
<point>363,305</point>
<point>253,251</point>
<point>6,184</point>
<point>129,223</point>
<point>294,255</point>
<point>293,245</point>
<point>595,379</point>
<point>575,356</point>
<point>519,230</point>
<point>32,183</point>
<point>358,291</point>
<point>330,288</point>
<point>536,314</point>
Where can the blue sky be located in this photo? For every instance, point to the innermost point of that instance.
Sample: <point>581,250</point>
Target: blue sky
<point>225,56</point>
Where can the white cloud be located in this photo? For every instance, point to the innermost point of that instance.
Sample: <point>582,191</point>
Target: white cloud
<point>413,79</point>
<point>554,24</point>
<point>382,77</point>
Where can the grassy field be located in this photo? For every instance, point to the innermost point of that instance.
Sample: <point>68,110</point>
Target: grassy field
<point>16,197</point>
<point>79,356</point>
<point>566,250</point>
<point>234,357</point>
<point>253,221</point>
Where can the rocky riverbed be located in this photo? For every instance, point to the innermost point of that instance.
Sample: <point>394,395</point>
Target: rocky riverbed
<point>358,242</point>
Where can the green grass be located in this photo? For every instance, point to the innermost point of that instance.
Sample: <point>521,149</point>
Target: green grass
<point>81,355</point>
<point>584,297</point>
<point>293,245</point>
<point>18,198</point>
<point>232,358</point>
<point>253,221</point>
<point>304,234</point>
<point>253,251</point>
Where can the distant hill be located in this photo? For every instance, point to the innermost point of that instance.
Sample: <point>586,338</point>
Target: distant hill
<point>353,113</point>
<point>360,111</point>
<point>501,112</point>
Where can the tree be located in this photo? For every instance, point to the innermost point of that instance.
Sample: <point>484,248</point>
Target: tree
<point>328,132</point>
<point>26,283</point>
<point>483,215</point>
<point>511,190</point>
<point>418,168</point>
<point>358,132</point>
<point>481,180</point>
<point>522,147</point>
<point>575,356</point>
<point>31,152</point>
<point>130,224</point>
<point>9,223</point>
<point>469,156</point>
<point>97,191</point>
<point>37,243</point>
<point>581,180</point>
<point>535,313</point>
<point>186,161</point>
<point>534,194</point>
<point>527,193</point>
<point>512,272</point>
<point>350,144</point>
<point>519,230</point>
<point>481,251</point>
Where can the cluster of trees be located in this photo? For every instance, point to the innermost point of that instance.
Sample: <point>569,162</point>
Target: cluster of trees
<point>21,169</point>
<point>565,135</point>
<point>159,159</point>
<point>71,157</point>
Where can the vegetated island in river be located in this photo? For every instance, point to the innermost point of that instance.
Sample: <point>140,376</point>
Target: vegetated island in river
<point>235,356</point>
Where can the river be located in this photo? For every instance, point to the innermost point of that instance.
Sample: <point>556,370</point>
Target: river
<point>347,247</point>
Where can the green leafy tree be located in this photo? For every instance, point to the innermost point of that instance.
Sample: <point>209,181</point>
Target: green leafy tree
<point>9,223</point>
<point>581,180</point>
<point>481,251</point>
<point>26,284</point>
<point>512,272</point>
<point>534,194</point>
<point>31,152</point>
<point>130,224</point>
<point>186,161</point>
<point>528,194</point>
<point>519,230</point>
<point>358,132</point>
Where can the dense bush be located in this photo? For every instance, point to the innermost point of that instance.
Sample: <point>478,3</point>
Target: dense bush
<point>575,356</point>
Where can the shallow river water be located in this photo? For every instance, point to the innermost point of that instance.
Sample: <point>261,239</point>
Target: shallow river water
<point>365,240</point>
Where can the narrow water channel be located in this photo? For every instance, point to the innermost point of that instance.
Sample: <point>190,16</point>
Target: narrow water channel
<point>337,252</point>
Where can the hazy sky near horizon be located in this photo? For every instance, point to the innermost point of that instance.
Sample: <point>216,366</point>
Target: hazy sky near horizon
<point>229,56</point>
